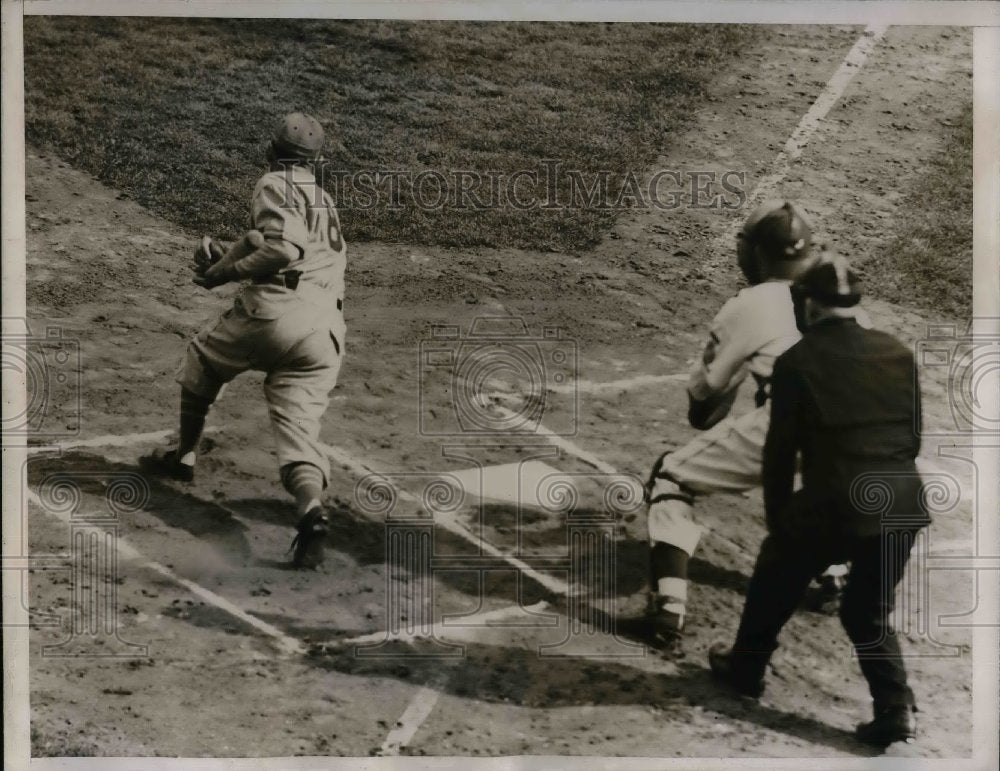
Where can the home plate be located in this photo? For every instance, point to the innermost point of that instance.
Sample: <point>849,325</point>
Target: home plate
<point>517,483</point>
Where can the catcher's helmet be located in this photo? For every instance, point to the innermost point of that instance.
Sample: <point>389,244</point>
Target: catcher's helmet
<point>774,234</point>
<point>830,282</point>
<point>298,136</point>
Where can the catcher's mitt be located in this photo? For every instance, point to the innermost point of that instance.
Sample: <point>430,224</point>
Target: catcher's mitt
<point>703,414</point>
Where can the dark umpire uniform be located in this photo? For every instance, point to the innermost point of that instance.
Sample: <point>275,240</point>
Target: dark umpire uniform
<point>846,398</point>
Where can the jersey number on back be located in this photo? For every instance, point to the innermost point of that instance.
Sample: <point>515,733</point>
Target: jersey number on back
<point>329,235</point>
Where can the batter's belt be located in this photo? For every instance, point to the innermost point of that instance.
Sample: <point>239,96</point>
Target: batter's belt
<point>290,280</point>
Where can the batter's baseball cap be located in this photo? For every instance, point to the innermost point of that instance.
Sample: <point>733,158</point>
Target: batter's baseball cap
<point>830,282</point>
<point>298,135</point>
<point>779,230</point>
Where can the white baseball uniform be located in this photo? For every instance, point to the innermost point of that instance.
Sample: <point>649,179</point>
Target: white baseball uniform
<point>748,334</point>
<point>290,324</point>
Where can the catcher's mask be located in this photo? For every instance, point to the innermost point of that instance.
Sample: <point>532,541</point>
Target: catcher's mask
<point>774,242</point>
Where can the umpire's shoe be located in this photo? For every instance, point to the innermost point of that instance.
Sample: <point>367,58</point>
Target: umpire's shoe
<point>726,670</point>
<point>312,529</point>
<point>165,463</point>
<point>891,724</point>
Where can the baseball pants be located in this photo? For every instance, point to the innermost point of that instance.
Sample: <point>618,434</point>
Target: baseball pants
<point>300,358</point>
<point>726,458</point>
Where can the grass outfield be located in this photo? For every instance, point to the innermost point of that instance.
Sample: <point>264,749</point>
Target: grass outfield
<point>928,262</point>
<point>176,112</point>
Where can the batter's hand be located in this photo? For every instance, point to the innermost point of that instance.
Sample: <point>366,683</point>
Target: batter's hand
<point>208,253</point>
<point>216,275</point>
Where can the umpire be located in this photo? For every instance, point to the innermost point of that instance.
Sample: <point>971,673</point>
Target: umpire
<point>845,397</point>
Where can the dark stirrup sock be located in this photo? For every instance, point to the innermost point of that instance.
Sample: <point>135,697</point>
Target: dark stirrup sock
<point>194,409</point>
<point>668,574</point>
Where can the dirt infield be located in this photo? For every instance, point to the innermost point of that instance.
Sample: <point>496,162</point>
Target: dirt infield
<point>114,277</point>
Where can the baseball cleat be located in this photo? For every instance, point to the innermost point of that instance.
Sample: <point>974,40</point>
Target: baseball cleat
<point>724,669</point>
<point>165,463</point>
<point>892,724</point>
<point>312,530</point>
<point>827,594</point>
<point>666,629</point>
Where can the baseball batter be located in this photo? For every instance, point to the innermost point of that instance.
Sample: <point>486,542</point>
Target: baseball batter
<point>746,336</point>
<point>287,322</point>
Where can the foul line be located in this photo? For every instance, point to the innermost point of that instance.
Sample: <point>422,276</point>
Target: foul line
<point>284,642</point>
<point>809,123</point>
<point>834,89</point>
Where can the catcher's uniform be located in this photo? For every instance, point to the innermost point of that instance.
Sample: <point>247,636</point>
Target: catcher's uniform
<point>289,324</point>
<point>747,335</point>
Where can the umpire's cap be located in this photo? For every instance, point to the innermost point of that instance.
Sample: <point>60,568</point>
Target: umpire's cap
<point>298,135</point>
<point>830,282</point>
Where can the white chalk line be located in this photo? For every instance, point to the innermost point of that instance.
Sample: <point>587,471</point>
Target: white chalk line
<point>422,704</point>
<point>451,524</point>
<point>112,440</point>
<point>285,643</point>
<point>830,95</point>
<point>424,701</point>
<point>360,470</point>
<point>426,698</point>
<point>808,125</point>
<point>417,711</point>
<point>606,468</point>
<point>592,387</point>
<point>441,631</point>
<point>819,109</point>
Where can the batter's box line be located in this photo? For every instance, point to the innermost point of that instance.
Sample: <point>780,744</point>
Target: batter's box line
<point>286,644</point>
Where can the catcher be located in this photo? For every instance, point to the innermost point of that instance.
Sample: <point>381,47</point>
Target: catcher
<point>287,322</point>
<point>748,334</point>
